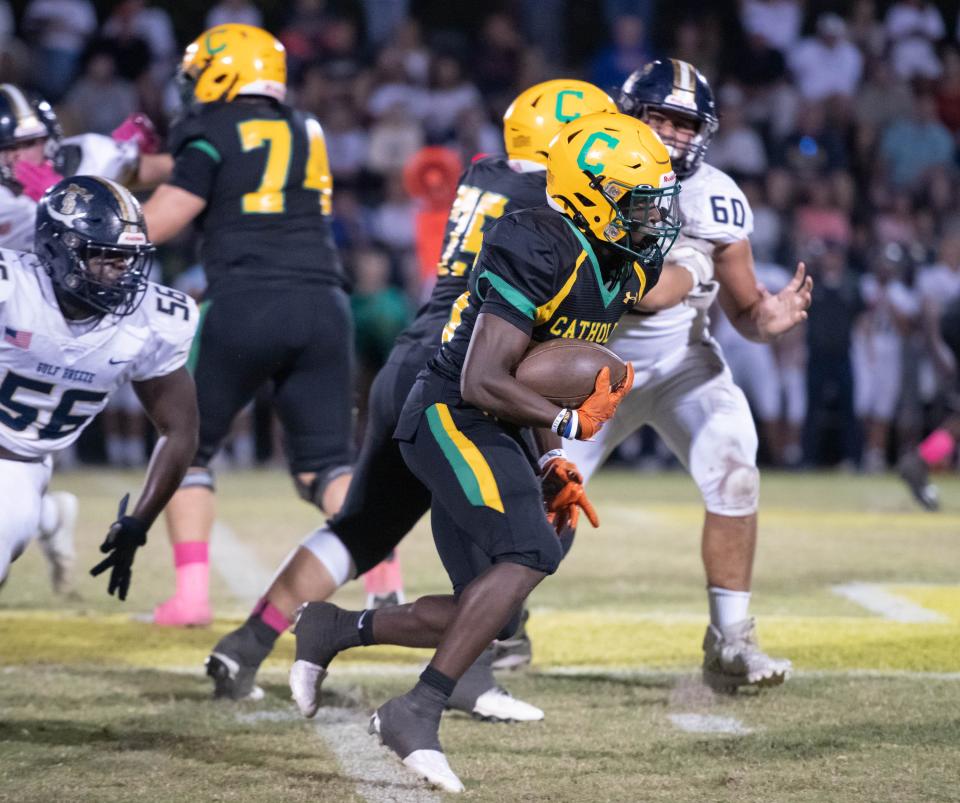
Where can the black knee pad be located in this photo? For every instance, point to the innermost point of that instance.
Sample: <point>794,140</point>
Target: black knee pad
<point>313,491</point>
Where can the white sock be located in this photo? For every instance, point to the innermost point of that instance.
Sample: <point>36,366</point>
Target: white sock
<point>49,515</point>
<point>727,607</point>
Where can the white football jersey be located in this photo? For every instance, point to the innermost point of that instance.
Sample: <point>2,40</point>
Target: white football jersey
<point>18,214</point>
<point>712,208</point>
<point>56,375</point>
<point>83,155</point>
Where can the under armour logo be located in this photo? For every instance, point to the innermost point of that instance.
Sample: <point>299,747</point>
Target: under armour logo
<point>631,298</point>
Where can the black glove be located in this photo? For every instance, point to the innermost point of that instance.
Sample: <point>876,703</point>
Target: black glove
<point>125,535</point>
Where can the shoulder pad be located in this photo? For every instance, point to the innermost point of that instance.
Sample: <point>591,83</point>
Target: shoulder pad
<point>171,315</point>
<point>191,125</point>
<point>714,208</point>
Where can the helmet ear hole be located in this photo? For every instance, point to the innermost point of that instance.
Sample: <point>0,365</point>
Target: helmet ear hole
<point>596,218</point>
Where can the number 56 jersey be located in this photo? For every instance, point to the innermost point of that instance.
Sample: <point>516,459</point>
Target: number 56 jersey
<point>56,374</point>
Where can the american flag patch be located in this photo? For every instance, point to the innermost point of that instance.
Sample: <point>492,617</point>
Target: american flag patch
<point>17,338</point>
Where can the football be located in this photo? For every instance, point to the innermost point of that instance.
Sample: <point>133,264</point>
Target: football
<point>565,370</point>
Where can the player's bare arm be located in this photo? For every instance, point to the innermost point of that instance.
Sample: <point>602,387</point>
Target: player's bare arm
<point>169,210</point>
<point>488,383</point>
<point>756,313</point>
<point>170,401</point>
<point>153,169</point>
<point>675,284</point>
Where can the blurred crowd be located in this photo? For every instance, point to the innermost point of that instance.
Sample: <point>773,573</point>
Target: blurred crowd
<point>839,120</point>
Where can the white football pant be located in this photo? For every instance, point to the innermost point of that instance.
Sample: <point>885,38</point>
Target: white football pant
<point>22,486</point>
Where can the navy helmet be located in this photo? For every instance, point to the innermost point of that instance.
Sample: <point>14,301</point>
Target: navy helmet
<point>674,87</point>
<point>26,117</point>
<point>91,235</point>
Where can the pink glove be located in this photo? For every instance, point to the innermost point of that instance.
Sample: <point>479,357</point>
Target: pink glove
<point>140,129</point>
<point>36,179</point>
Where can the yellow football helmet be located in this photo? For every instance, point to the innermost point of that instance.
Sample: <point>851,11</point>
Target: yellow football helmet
<point>542,110</point>
<point>612,176</point>
<point>231,60</point>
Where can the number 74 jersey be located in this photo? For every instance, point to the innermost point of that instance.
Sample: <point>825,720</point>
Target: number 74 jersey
<point>56,375</point>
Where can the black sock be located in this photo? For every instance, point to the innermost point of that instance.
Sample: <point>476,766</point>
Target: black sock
<point>366,627</point>
<point>437,682</point>
<point>266,636</point>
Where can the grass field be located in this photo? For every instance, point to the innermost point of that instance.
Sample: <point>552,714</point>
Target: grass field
<point>857,587</point>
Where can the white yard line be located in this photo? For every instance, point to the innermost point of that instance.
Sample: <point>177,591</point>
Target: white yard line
<point>708,723</point>
<point>237,564</point>
<point>877,599</point>
<point>379,775</point>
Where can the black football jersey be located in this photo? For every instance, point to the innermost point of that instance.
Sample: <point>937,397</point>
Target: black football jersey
<point>488,189</point>
<point>262,168</point>
<point>538,271</point>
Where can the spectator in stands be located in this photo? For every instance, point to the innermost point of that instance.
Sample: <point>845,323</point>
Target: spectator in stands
<point>242,11</point>
<point>627,51</point>
<point>382,19</point>
<point>948,92</point>
<point>937,286</point>
<point>500,55</point>
<point>347,143</point>
<point>101,99</point>
<point>819,218</point>
<point>59,31</point>
<point>776,22</point>
<point>911,146</point>
<point>737,147</point>
<point>827,65</point>
<point>913,28</point>
<point>877,350</point>
<point>394,138</point>
<point>836,305</point>
<point>451,93</point>
<point>134,19</point>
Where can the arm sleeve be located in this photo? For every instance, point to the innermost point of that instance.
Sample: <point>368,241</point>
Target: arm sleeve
<point>515,272</point>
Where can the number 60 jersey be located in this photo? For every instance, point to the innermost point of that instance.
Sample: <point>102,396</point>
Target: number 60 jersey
<point>713,211</point>
<point>56,375</point>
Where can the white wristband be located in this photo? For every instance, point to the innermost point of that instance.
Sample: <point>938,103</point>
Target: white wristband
<point>546,457</point>
<point>558,421</point>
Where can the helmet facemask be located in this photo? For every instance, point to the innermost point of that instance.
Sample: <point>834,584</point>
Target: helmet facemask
<point>106,279</point>
<point>646,220</point>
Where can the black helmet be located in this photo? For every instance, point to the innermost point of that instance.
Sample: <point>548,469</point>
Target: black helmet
<point>675,87</point>
<point>87,218</point>
<point>26,117</point>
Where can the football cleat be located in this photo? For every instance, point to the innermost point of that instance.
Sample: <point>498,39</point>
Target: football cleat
<point>429,762</point>
<point>498,705</point>
<point>515,652</point>
<point>478,695</point>
<point>305,681</point>
<point>233,665</point>
<point>57,546</point>
<point>231,679</point>
<point>389,600</point>
<point>732,658</point>
<point>914,472</point>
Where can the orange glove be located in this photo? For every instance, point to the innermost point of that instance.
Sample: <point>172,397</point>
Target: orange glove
<point>600,405</point>
<point>564,496</point>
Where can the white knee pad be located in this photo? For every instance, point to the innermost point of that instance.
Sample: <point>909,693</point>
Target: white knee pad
<point>736,494</point>
<point>331,552</point>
